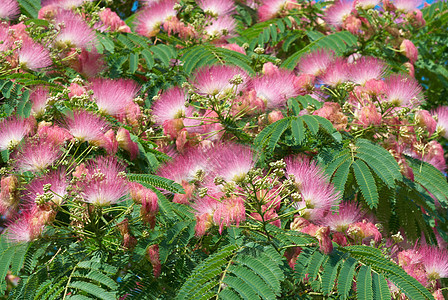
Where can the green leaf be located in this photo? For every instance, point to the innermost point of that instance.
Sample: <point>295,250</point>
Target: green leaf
<point>133,62</point>
<point>298,130</point>
<point>380,287</point>
<point>30,7</point>
<point>346,277</point>
<point>341,175</point>
<point>147,55</point>
<point>243,289</point>
<point>364,283</point>
<point>157,181</point>
<point>92,289</point>
<point>366,183</point>
<point>330,272</point>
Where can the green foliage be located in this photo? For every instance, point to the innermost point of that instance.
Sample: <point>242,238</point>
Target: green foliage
<point>338,42</point>
<point>157,181</point>
<point>30,7</point>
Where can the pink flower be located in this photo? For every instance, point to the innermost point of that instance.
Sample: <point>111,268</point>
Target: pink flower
<point>37,155</point>
<point>333,112</point>
<point>315,63</point>
<point>58,181</point>
<point>325,243</point>
<point>403,91</point>
<point>442,120</point>
<point>66,4</point>
<point>170,105</point>
<point>317,194</point>
<point>4,37</point>
<point>25,229</point>
<point>222,28</point>
<point>110,21</point>
<point>33,55</point>
<point>234,47</point>
<point>149,201</point>
<point>13,130</point>
<point>433,154</point>
<point>73,31</point>
<point>411,261</point>
<point>53,134</point>
<point>88,63</point>
<point>409,50</point>
<point>365,69</point>
<point>104,183</point>
<point>271,8</point>
<point>425,120</point>
<point>435,261</point>
<point>366,4</point>
<point>364,231</point>
<point>369,115</point>
<point>112,96</point>
<point>215,80</point>
<point>406,5</point>
<point>335,73</point>
<point>336,13</point>
<point>217,7</point>
<point>230,211</point>
<point>39,98</point>
<point>275,89</point>
<point>204,210</point>
<point>347,214</point>
<point>151,18</point>
<point>9,9</point>
<point>86,126</point>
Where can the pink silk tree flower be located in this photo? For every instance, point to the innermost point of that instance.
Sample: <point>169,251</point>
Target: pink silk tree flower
<point>57,179</point>
<point>403,91</point>
<point>347,214</point>
<point>435,261</point>
<point>364,231</point>
<point>13,130</point>
<point>270,9</point>
<point>424,119</point>
<point>9,9</point>
<point>104,183</point>
<point>9,194</point>
<point>88,63</point>
<point>215,80</point>
<point>39,98</point>
<point>27,228</point>
<point>36,155</point>
<point>441,113</point>
<point>124,141</point>
<point>221,28</point>
<point>366,4</point>
<point>411,261</point>
<point>365,69</point>
<point>66,4</point>
<point>406,5</point>
<point>316,62</point>
<point>73,31</point>
<point>170,105</point>
<point>338,12</point>
<point>53,134</point>
<point>369,115</point>
<point>4,37</point>
<point>335,73</point>
<point>230,211</point>
<point>275,89</point>
<point>33,56</point>
<point>152,254</point>
<point>151,18</point>
<point>110,21</point>
<point>217,7</point>
<point>86,126</point>
<point>204,210</point>
<point>317,194</point>
<point>113,96</point>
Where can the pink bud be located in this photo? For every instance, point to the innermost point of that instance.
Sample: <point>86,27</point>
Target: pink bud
<point>409,50</point>
<point>9,196</point>
<point>425,119</point>
<point>369,115</point>
<point>274,116</point>
<point>415,17</point>
<point>124,141</point>
<point>352,24</point>
<point>152,254</point>
<point>270,69</point>
<point>325,243</point>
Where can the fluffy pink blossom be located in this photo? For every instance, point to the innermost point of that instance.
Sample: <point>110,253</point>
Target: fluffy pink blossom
<point>347,214</point>
<point>315,63</point>
<point>435,261</point>
<point>369,115</point>
<point>442,120</point>
<point>317,194</point>
<point>204,210</point>
<point>170,105</point>
<point>104,182</point>
<point>53,134</point>
<point>73,31</point>
<point>230,211</point>
<point>433,154</point>
<point>152,254</point>
<point>34,56</point>
<point>124,141</point>
<point>425,120</point>
<point>215,80</point>
<point>39,98</point>
<point>366,4</point>
<point>406,5</point>
<point>336,13</point>
<point>272,8</point>
<point>403,91</point>
<point>88,63</point>
<point>335,73</point>
<point>365,69</point>
<point>411,261</point>
<point>149,201</point>
<point>275,89</point>
<point>58,181</point>
<point>5,41</point>
<point>222,28</point>
<point>86,126</point>
<point>332,111</point>
<point>25,229</point>
<point>9,196</point>
<point>9,9</point>
<point>151,18</point>
<point>364,231</point>
<point>112,96</point>
<point>217,7</point>
<point>66,4</point>
<point>233,47</point>
<point>36,155</point>
<point>13,130</point>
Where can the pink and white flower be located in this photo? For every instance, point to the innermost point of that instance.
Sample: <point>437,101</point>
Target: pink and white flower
<point>36,155</point>
<point>13,130</point>
<point>315,63</point>
<point>403,91</point>
<point>217,7</point>
<point>152,17</point>
<point>338,12</point>
<point>365,69</point>
<point>73,31</point>
<point>9,9</point>
<point>34,56</point>
<point>86,126</point>
<point>215,80</point>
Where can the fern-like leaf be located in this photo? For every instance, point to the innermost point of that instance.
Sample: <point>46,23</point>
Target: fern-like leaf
<point>366,183</point>
<point>157,181</point>
<point>364,283</point>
